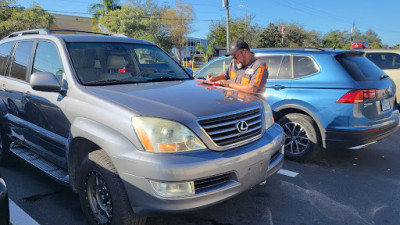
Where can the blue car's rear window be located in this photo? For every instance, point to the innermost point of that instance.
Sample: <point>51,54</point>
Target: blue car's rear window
<point>360,68</point>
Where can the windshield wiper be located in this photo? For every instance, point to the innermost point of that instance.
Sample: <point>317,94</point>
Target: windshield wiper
<point>383,77</point>
<point>111,81</point>
<point>158,79</point>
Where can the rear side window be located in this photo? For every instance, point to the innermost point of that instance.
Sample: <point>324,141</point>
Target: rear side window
<point>21,60</point>
<point>360,68</point>
<point>385,60</point>
<point>303,66</point>
<point>5,50</point>
<point>273,62</point>
<point>285,69</point>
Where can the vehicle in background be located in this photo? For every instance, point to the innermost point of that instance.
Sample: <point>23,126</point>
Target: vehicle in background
<point>127,128</point>
<point>324,98</point>
<point>389,61</point>
<point>360,45</point>
<point>4,207</point>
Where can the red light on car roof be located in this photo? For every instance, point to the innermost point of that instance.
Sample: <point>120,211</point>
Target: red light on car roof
<point>358,96</point>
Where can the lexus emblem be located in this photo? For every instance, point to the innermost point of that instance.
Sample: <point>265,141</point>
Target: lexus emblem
<point>242,126</point>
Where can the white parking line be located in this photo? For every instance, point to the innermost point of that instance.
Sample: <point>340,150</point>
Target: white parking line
<point>287,173</point>
<point>19,216</point>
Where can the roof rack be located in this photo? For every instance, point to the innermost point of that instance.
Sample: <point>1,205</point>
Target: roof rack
<point>47,31</point>
<point>298,48</point>
<point>28,32</point>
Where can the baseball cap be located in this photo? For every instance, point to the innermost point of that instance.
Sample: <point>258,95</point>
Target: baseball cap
<point>236,45</point>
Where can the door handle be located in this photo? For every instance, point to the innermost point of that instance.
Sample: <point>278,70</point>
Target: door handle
<point>278,86</point>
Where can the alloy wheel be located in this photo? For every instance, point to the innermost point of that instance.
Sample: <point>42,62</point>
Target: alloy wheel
<point>296,140</point>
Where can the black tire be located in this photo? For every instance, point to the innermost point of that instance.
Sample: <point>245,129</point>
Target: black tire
<point>302,140</point>
<point>7,158</point>
<point>102,195</point>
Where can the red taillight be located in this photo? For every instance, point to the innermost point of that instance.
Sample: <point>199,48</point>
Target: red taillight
<point>358,96</point>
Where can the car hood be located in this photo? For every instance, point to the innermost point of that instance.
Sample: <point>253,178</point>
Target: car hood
<point>173,99</point>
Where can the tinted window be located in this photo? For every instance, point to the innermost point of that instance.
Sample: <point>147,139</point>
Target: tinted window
<point>360,68</point>
<point>21,60</point>
<point>5,49</point>
<point>273,62</point>
<point>284,70</point>
<point>214,68</point>
<point>303,66</point>
<point>385,60</point>
<point>48,60</point>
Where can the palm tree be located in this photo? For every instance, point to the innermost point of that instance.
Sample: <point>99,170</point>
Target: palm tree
<point>101,9</point>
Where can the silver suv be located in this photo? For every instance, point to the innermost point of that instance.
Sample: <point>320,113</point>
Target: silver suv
<point>127,127</point>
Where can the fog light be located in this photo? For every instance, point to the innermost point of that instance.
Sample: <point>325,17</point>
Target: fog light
<point>173,189</point>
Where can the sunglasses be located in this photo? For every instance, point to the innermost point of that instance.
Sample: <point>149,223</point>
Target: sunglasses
<point>235,56</point>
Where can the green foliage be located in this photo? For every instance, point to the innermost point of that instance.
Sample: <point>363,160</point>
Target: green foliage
<point>240,28</point>
<point>347,46</point>
<point>210,50</point>
<point>177,23</point>
<point>140,19</point>
<point>18,18</point>
<point>335,38</point>
<point>270,37</point>
<point>393,47</point>
<point>200,48</point>
<point>100,10</point>
<point>376,45</point>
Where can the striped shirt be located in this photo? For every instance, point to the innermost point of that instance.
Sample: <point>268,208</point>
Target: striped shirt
<point>254,74</point>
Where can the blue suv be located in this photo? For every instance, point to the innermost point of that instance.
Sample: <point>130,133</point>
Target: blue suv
<point>324,98</point>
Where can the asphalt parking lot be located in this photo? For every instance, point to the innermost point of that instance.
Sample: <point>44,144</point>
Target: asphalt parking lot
<point>339,187</point>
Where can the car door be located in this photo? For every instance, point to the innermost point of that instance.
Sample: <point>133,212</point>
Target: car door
<point>279,78</point>
<point>14,85</point>
<point>47,125</point>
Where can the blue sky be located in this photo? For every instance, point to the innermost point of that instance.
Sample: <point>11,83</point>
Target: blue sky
<point>320,15</point>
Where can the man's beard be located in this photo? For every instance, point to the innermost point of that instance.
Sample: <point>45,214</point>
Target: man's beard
<point>239,65</point>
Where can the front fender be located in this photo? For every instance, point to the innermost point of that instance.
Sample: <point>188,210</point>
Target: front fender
<point>111,141</point>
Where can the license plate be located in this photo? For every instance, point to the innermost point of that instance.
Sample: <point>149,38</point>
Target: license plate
<point>385,105</point>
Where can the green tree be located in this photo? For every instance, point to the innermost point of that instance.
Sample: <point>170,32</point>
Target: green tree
<point>177,22</point>
<point>270,37</point>
<point>200,48</point>
<point>210,51</point>
<point>335,38</point>
<point>102,9</point>
<point>139,19</point>
<point>376,45</point>
<point>240,28</point>
<point>23,19</point>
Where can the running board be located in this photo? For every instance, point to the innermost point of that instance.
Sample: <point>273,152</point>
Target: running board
<point>42,164</point>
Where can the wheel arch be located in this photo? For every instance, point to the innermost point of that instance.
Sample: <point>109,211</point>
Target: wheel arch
<point>87,136</point>
<point>287,109</point>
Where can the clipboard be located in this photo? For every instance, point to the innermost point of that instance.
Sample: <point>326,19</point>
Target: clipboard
<point>208,82</point>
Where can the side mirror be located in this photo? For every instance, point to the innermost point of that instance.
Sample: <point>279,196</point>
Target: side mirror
<point>190,71</point>
<point>44,81</point>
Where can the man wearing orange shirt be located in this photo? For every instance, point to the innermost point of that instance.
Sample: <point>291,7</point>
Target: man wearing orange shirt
<point>245,72</point>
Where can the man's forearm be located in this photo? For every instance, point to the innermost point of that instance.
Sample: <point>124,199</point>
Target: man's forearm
<point>220,76</point>
<point>243,87</point>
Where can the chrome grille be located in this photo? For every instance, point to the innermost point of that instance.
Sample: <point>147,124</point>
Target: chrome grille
<point>223,129</point>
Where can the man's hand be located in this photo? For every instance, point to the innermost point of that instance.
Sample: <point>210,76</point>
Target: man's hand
<point>210,77</point>
<point>224,83</point>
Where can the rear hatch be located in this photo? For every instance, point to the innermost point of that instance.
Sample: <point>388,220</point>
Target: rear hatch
<point>374,97</point>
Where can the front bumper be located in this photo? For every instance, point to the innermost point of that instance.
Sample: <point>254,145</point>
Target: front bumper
<point>353,138</point>
<point>241,169</point>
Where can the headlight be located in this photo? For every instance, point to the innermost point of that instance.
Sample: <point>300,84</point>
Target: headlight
<point>165,136</point>
<point>269,117</point>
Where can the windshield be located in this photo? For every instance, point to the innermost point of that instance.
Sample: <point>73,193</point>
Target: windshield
<point>120,63</point>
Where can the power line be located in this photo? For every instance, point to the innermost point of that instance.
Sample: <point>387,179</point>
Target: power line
<point>136,17</point>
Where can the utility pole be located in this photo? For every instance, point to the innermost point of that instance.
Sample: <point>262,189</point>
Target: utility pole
<point>245,23</point>
<point>225,3</point>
